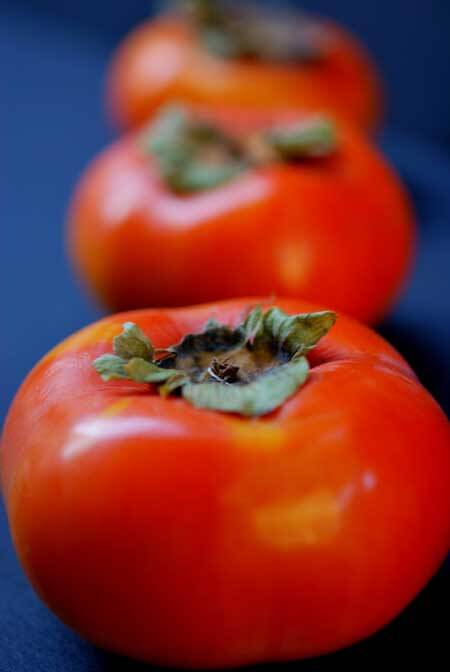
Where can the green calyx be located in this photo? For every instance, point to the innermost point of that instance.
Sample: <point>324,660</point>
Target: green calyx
<point>250,370</point>
<point>195,155</point>
<point>248,32</point>
<point>192,154</point>
<point>313,137</point>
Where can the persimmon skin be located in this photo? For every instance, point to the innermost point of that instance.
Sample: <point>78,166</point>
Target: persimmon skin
<point>338,231</point>
<point>197,539</point>
<point>162,60</point>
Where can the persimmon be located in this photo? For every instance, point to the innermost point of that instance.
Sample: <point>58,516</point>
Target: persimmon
<point>216,55</point>
<point>198,207</point>
<point>226,484</point>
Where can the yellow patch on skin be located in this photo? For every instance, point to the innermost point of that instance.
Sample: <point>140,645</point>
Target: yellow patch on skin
<point>258,436</point>
<point>294,263</point>
<point>312,520</point>
<point>102,332</point>
<point>116,408</point>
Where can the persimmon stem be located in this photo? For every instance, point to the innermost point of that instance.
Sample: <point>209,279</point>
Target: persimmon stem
<point>193,154</point>
<point>232,31</point>
<point>203,12</point>
<point>251,369</point>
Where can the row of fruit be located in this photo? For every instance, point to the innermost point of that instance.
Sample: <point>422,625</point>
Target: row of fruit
<point>250,479</point>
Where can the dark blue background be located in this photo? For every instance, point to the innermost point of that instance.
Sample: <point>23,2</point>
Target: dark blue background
<point>53,56</point>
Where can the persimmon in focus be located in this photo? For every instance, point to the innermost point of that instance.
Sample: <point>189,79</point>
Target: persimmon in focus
<point>190,537</point>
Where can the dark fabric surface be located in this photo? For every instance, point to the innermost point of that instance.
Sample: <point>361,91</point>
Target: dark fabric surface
<point>52,123</point>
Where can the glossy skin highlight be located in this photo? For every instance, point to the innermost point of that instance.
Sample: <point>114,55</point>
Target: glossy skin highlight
<point>192,538</point>
<point>163,60</point>
<point>337,230</point>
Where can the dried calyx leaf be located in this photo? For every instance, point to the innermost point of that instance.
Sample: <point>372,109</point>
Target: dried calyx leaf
<point>251,32</point>
<point>250,369</point>
<point>312,137</point>
<point>194,155</point>
<point>132,342</point>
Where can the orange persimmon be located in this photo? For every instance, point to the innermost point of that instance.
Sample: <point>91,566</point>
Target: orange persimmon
<point>301,62</point>
<point>191,210</point>
<point>198,538</point>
